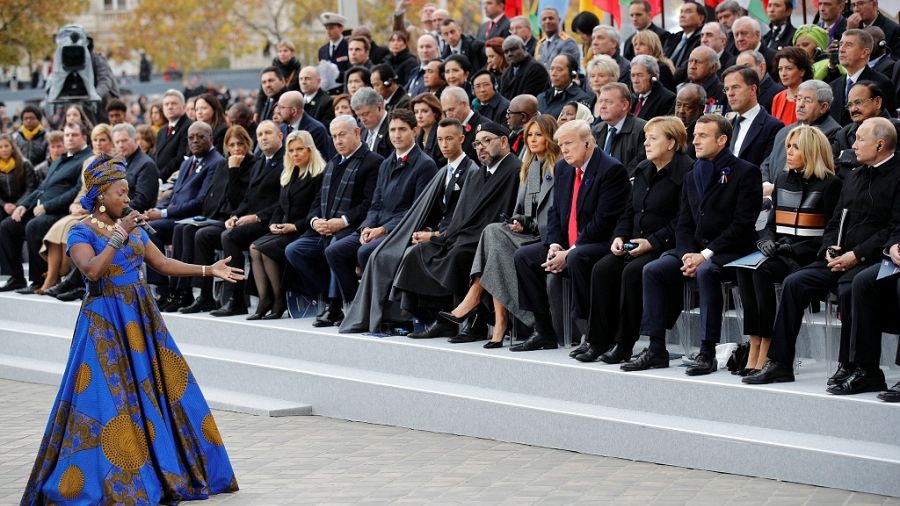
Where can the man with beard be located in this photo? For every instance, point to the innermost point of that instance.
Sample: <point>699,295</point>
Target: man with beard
<point>435,273</point>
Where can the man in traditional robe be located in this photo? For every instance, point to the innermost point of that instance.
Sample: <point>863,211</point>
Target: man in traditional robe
<point>435,274</point>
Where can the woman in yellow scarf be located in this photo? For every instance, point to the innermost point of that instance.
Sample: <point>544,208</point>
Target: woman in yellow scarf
<point>16,175</point>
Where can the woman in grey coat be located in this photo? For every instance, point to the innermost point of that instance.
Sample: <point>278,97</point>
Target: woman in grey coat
<point>493,273</point>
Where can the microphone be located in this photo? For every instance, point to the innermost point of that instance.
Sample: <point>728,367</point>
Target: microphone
<point>143,224</point>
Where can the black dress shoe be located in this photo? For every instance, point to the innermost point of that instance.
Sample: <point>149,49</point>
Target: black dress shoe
<point>646,359</point>
<point>772,372</point>
<point>618,354</point>
<point>13,284</point>
<point>453,320</point>
<point>706,364</point>
<point>890,395</point>
<point>582,348</point>
<point>437,328</point>
<point>200,305</point>
<point>861,380</point>
<point>499,344</point>
<point>331,317</point>
<point>275,314</point>
<point>592,354</point>
<point>231,308</point>
<point>178,301</point>
<point>842,373</point>
<point>75,294</point>
<point>473,329</point>
<point>28,290</point>
<point>536,342</point>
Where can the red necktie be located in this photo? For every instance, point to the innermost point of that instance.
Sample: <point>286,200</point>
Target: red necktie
<point>170,130</point>
<point>493,25</point>
<point>573,209</point>
<point>637,108</point>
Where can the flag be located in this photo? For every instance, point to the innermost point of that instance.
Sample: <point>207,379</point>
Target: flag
<point>600,7</point>
<point>513,8</point>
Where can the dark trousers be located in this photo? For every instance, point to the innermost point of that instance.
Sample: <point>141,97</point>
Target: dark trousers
<point>580,263</point>
<point>664,294</point>
<point>875,305</point>
<point>758,295</point>
<point>165,229</point>
<point>532,280</point>
<point>183,249</point>
<point>13,234</point>
<point>343,256</point>
<point>616,291</point>
<point>206,241</point>
<point>235,242</point>
<point>810,283</point>
<point>306,256</point>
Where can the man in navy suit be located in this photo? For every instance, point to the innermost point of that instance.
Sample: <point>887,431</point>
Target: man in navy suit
<point>591,191</point>
<point>720,202</point>
<point>171,141</point>
<point>186,200</point>
<point>497,24</point>
<point>290,107</point>
<point>369,108</point>
<point>754,129</point>
<point>856,48</point>
<point>456,42</point>
<point>335,50</point>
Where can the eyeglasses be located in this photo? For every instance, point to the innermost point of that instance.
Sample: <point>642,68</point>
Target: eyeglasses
<point>858,103</point>
<point>510,113</point>
<point>860,3</point>
<point>805,100</point>
<point>485,142</point>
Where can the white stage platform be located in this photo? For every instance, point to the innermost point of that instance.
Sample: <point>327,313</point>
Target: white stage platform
<point>793,432</point>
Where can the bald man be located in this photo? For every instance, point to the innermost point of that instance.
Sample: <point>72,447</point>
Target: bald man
<point>522,109</point>
<point>316,102</point>
<point>290,109</point>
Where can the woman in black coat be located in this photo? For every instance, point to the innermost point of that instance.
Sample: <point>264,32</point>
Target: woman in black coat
<point>804,198</point>
<point>645,230</point>
<point>400,58</point>
<point>427,109</point>
<point>300,182</point>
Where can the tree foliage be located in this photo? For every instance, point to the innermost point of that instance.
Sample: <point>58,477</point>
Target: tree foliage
<point>27,27</point>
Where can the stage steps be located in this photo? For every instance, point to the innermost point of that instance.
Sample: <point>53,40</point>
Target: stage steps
<point>793,432</point>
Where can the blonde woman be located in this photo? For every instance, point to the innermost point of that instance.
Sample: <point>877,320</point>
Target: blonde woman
<point>792,236</point>
<point>54,247</point>
<point>493,271</point>
<point>647,42</point>
<point>602,70</point>
<point>300,182</point>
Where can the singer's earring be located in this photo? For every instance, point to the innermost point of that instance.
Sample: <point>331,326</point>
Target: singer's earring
<point>102,208</point>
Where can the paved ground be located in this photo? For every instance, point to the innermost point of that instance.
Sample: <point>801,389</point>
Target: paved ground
<point>316,460</point>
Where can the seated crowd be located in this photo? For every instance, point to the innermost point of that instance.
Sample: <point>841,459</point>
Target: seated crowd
<point>474,182</point>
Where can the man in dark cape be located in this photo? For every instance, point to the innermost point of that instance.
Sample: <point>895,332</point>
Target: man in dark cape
<point>433,209</point>
<point>435,274</point>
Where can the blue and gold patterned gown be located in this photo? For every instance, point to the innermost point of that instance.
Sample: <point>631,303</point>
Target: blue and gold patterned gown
<point>129,424</point>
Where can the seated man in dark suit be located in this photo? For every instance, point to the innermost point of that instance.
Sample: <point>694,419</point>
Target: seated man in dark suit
<point>171,141</point>
<point>856,47</point>
<point>273,85</point>
<point>316,101</point>
<point>290,108</point>
<point>37,211</point>
<point>455,104</point>
<point>753,128</point>
<point>387,84</point>
<point>768,87</point>
<point>563,71</point>
<point>491,104</point>
<point>866,14</point>
<point>720,202</point>
<point>620,135</point>
<point>141,172</point>
<point>186,200</point>
<point>590,192</point>
<point>652,98</point>
<point>525,75</point>
<point>702,69</point>
<point>851,243</point>
<point>864,102</point>
<point>457,42</point>
<point>339,209</point>
<point>497,24</point>
<point>401,178</point>
<point>747,37</point>
<point>369,108</point>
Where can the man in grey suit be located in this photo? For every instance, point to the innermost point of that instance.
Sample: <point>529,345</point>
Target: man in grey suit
<point>497,24</point>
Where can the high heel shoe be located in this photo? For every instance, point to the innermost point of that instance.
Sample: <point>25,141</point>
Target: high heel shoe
<point>260,313</point>
<point>276,313</point>
<point>449,318</point>
<point>493,344</point>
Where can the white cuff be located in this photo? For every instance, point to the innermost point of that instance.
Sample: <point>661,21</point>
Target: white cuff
<point>164,213</point>
<point>707,253</point>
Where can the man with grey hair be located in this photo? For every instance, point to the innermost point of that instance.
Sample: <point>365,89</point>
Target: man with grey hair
<point>768,87</point>
<point>702,69</point>
<point>455,104</point>
<point>427,49</point>
<point>652,98</point>
<point>605,40</point>
<point>554,41</point>
<point>690,102</point>
<point>171,141</point>
<point>714,36</point>
<point>369,108</point>
<point>525,75</point>
<point>520,26</point>
<point>812,103</point>
<point>726,13</point>
<point>748,36</point>
<point>140,172</point>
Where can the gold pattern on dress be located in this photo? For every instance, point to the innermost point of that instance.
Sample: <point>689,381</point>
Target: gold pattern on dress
<point>151,431</point>
<point>174,374</point>
<point>82,378</point>
<point>124,443</point>
<point>113,270</point>
<point>71,483</point>
<point>135,335</point>
<point>210,431</point>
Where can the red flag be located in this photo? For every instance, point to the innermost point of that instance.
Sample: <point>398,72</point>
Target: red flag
<point>513,8</point>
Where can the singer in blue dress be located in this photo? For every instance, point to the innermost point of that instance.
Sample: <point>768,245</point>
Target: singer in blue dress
<point>129,424</point>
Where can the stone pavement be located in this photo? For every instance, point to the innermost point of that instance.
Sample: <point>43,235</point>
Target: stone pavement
<point>316,460</point>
